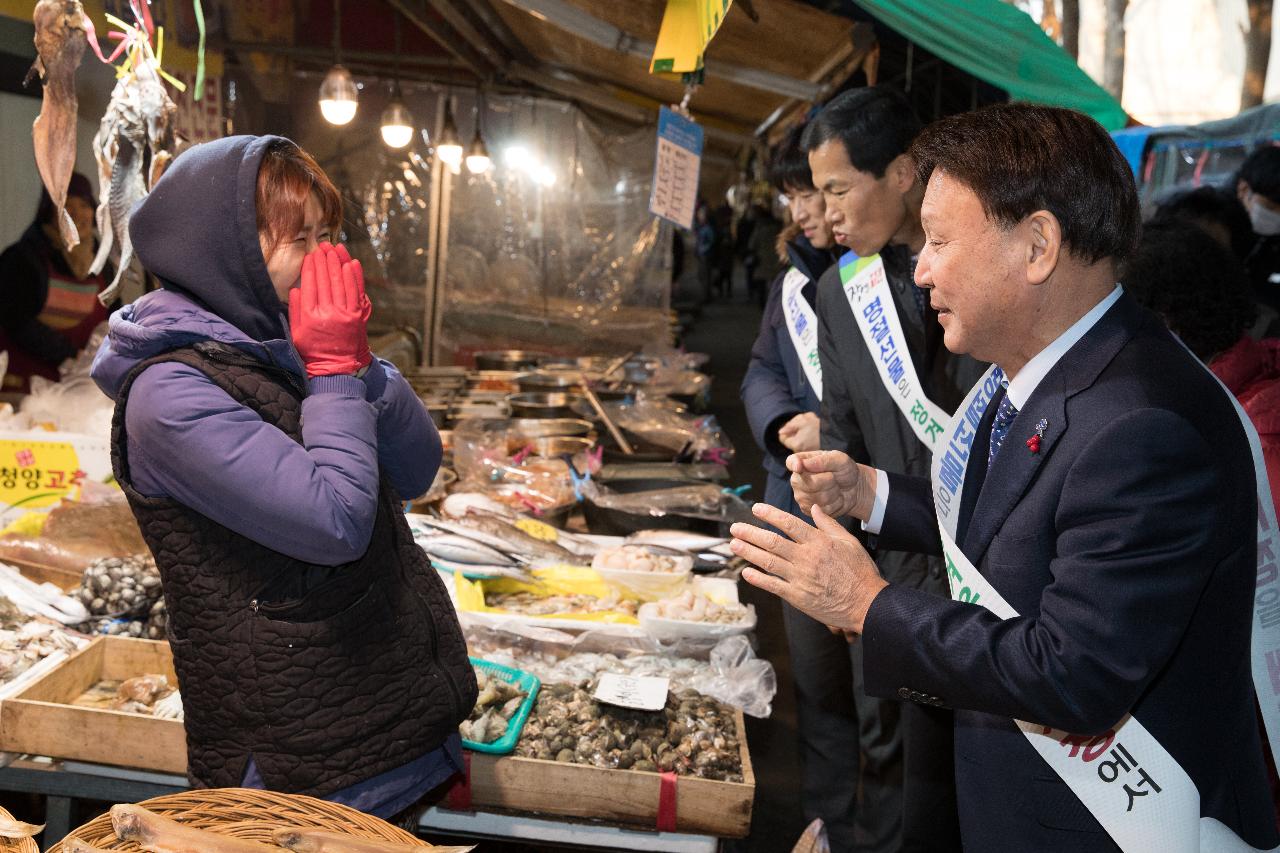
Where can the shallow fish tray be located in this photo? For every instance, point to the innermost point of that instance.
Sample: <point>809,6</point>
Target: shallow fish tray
<point>616,797</point>
<point>40,719</point>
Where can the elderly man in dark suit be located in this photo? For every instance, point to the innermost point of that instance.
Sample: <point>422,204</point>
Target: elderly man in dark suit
<point>1106,496</point>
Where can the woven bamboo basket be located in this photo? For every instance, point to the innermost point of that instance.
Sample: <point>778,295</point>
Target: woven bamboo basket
<point>243,813</point>
<point>16,845</point>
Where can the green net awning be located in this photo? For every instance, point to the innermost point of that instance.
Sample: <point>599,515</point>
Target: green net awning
<point>997,43</point>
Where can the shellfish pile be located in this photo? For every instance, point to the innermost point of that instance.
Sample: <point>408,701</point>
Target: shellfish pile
<point>23,646</point>
<point>496,704</point>
<point>693,735</point>
<point>125,597</point>
<point>694,607</point>
<point>634,558</point>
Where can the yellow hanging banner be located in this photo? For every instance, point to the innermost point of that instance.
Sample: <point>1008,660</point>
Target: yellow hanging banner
<point>687,29</point>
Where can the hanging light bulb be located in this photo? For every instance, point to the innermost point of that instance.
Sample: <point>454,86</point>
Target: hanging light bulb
<point>397,124</point>
<point>338,96</point>
<point>478,161</point>
<point>397,121</point>
<point>449,148</point>
<point>338,93</point>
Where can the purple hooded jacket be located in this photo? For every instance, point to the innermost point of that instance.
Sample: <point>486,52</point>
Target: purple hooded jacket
<point>188,440</point>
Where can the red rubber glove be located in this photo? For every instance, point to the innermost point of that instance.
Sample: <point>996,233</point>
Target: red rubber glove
<point>327,316</point>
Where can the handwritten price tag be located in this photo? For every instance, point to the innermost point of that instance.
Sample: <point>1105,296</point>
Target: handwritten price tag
<point>644,693</point>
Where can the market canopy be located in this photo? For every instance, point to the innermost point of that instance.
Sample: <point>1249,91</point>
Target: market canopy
<point>1027,64</point>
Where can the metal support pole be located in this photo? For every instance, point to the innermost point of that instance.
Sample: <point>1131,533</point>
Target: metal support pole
<point>442,264</point>
<point>433,223</point>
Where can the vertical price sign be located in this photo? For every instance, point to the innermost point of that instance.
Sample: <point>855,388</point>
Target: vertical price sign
<point>675,171</point>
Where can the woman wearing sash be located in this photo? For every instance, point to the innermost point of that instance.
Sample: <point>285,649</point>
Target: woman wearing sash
<point>782,393</point>
<point>1099,513</point>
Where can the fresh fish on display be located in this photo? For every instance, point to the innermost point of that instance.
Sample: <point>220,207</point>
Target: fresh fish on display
<point>158,834</point>
<point>507,538</point>
<point>468,531</point>
<point>60,43</point>
<point>474,571</point>
<point>460,549</point>
<point>459,504</point>
<point>305,840</point>
<point>136,125</point>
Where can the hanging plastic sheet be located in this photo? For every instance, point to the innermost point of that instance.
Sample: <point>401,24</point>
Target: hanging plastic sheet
<point>553,248</point>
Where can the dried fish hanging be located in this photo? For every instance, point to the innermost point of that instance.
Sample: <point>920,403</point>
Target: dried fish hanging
<point>133,145</point>
<point>60,39</point>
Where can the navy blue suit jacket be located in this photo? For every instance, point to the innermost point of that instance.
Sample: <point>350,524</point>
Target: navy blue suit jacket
<point>1127,544</point>
<point>775,387</point>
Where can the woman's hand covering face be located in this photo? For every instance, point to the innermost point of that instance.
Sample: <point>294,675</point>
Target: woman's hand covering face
<point>329,313</point>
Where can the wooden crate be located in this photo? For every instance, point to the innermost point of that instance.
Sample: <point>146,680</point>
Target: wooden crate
<point>42,721</point>
<point>703,806</point>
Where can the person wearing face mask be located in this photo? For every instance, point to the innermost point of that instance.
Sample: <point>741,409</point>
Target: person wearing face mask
<point>1258,187</point>
<point>781,392</point>
<point>49,299</point>
<point>265,454</point>
<point>858,153</point>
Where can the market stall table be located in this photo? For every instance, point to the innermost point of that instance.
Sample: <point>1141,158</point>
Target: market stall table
<point>63,782</point>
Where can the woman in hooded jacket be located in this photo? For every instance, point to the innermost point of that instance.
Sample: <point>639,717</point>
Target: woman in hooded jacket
<point>265,455</point>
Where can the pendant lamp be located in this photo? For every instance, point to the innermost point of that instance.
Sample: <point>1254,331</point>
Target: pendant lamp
<point>338,93</point>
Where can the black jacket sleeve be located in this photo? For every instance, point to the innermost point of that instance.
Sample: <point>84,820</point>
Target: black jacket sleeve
<point>766,393</point>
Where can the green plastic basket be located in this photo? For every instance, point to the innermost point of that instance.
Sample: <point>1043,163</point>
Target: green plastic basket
<point>525,681</point>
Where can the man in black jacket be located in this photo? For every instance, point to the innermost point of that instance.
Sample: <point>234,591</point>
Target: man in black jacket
<point>857,150</point>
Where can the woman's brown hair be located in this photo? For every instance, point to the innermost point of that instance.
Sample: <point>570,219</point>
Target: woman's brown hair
<point>287,176</point>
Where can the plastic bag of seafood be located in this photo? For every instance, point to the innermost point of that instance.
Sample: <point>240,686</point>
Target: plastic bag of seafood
<point>503,704</point>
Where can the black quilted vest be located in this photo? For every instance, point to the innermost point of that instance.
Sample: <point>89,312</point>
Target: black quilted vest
<point>325,675</point>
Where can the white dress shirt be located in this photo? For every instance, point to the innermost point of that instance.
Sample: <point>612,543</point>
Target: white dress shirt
<point>1020,388</point>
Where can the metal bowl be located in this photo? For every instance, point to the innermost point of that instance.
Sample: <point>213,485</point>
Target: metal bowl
<point>545,404</point>
<point>549,380</point>
<point>492,380</point>
<point>508,359</point>
<point>557,445</point>
<point>537,427</point>
<point>478,410</point>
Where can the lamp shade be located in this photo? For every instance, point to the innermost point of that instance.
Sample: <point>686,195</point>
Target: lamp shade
<point>338,96</point>
<point>397,124</point>
<point>478,160</point>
